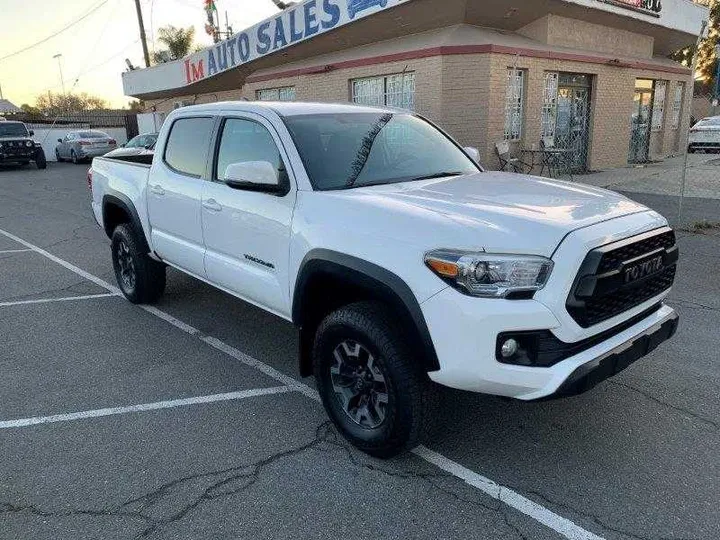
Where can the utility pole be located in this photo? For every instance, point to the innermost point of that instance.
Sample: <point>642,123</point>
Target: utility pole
<point>143,39</point>
<point>694,64</point>
<point>62,81</point>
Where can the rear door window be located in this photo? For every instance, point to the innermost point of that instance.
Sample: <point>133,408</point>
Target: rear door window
<point>187,145</point>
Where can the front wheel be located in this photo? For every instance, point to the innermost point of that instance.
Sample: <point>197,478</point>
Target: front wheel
<point>141,279</point>
<point>40,160</point>
<point>371,385</point>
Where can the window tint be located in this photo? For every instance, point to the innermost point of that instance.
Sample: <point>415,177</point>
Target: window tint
<point>186,148</point>
<point>245,140</point>
<point>134,142</point>
<point>359,149</point>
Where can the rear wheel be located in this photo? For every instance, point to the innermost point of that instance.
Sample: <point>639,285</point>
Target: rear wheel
<point>140,278</point>
<point>371,385</point>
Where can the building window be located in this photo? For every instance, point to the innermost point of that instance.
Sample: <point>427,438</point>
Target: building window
<point>285,93</point>
<point>514,104</point>
<point>677,104</point>
<point>658,113</point>
<point>392,90</point>
<point>549,110</point>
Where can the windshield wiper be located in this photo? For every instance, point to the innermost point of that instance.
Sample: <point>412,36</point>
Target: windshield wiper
<point>366,145</point>
<point>437,175</point>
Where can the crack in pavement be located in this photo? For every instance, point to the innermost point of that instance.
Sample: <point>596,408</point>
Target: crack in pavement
<point>245,476</point>
<point>66,288</point>
<point>693,305</point>
<point>600,521</point>
<point>706,421</point>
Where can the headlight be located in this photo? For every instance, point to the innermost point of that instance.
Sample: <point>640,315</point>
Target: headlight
<point>28,143</point>
<point>490,275</point>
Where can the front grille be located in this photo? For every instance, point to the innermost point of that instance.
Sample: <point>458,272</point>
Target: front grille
<point>601,290</point>
<point>613,259</point>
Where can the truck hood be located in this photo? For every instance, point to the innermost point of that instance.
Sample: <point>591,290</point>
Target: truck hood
<point>494,211</point>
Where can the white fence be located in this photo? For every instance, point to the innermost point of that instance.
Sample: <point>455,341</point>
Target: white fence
<point>48,136</point>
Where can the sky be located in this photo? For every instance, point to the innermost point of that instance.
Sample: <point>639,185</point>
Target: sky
<point>94,50</point>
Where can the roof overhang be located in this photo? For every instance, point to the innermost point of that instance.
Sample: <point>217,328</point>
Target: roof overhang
<point>316,27</point>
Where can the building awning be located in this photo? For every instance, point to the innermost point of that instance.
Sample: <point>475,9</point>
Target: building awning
<point>8,108</point>
<point>317,27</point>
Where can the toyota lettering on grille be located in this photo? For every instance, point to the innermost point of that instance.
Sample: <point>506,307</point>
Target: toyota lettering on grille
<point>643,269</point>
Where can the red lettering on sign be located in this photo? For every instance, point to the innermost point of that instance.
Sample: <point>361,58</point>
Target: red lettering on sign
<point>194,71</point>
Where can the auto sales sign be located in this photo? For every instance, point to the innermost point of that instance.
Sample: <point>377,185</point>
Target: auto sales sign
<point>291,26</point>
<point>652,7</point>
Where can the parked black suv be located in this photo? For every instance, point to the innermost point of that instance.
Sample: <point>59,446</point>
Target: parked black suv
<point>18,146</point>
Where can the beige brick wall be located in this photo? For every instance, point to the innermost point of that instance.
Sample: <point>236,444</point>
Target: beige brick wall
<point>465,94</point>
<point>334,86</point>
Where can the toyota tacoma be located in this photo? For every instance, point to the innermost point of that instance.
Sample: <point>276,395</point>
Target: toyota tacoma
<point>400,259</point>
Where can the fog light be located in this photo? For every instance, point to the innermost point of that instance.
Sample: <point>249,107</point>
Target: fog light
<point>509,348</point>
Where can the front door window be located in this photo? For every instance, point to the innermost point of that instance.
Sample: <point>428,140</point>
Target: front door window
<point>572,118</point>
<point>640,121</point>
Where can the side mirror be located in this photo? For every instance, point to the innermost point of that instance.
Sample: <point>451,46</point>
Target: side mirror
<point>59,140</point>
<point>32,133</point>
<point>473,152</point>
<point>253,176</point>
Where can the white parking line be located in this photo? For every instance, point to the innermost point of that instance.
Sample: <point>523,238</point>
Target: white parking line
<point>97,413</point>
<point>563,526</point>
<point>539,513</point>
<point>50,300</point>
<point>3,251</point>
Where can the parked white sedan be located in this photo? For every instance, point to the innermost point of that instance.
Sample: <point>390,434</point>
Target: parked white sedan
<point>705,135</point>
<point>85,144</point>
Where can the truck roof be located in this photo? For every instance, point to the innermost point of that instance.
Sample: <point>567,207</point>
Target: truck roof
<point>288,108</point>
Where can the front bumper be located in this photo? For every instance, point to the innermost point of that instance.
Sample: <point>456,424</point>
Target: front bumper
<point>17,155</point>
<point>613,362</point>
<point>465,344</point>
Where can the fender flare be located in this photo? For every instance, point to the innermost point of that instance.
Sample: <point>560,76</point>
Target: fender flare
<point>124,202</point>
<point>366,275</point>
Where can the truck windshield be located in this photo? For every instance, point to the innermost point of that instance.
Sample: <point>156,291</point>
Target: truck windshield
<point>345,150</point>
<point>13,129</point>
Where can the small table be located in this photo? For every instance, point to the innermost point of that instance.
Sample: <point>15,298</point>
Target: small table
<point>550,157</point>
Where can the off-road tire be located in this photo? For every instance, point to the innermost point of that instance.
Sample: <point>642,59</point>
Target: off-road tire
<point>408,413</point>
<point>40,160</point>
<point>148,284</point>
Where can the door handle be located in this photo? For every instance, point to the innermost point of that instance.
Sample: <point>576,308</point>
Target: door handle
<point>212,205</point>
<point>157,189</point>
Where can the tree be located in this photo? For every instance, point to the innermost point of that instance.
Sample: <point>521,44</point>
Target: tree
<point>179,43</point>
<point>136,106</point>
<point>69,103</point>
<point>707,60</point>
<point>34,111</point>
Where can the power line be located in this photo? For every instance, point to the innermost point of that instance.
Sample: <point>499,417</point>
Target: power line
<point>85,16</point>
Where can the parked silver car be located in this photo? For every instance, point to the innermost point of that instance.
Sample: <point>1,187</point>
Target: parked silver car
<point>140,145</point>
<point>84,144</point>
<point>705,135</point>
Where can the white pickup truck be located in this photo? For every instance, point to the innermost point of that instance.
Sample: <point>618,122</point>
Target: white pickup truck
<point>397,256</point>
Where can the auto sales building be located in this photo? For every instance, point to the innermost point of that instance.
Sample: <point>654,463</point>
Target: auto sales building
<point>592,76</point>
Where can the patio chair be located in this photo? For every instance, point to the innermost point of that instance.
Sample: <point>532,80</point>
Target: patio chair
<point>502,149</point>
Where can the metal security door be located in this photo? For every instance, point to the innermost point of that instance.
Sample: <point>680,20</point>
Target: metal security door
<point>640,122</point>
<point>572,127</point>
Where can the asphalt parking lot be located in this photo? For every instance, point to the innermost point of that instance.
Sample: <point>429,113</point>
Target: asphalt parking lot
<point>188,420</point>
